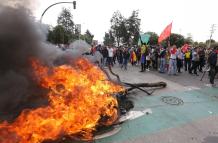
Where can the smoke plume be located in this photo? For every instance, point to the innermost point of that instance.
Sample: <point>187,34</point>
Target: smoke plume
<point>20,40</point>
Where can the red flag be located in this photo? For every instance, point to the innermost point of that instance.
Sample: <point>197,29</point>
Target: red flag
<point>166,33</point>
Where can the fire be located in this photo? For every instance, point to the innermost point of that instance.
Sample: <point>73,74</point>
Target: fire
<point>80,99</point>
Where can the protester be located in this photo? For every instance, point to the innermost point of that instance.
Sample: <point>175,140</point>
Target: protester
<point>154,58</point>
<point>213,62</point>
<point>120,56</point>
<point>133,57</point>
<point>195,62</point>
<point>179,60</point>
<point>114,55</point>
<point>173,64</point>
<point>138,54</point>
<point>143,57</point>
<point>188,60</point>
<point>125,58</point>
<point>201,59</point>
<point>148,59</point>
<point>110,55</point>
<point>162,59</point>
<point>104,53</point>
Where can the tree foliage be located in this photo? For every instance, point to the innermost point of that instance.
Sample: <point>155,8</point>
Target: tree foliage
<point>65,32</point>
<point>125,30</point>
<point>88,37</point>
<point>58,35</point>
<point>153,39</point>
<point>175,39</point>
<point>65,19</point>
<point>133,27</point>
<point>188,40</point>
<point>117,26</point>
<point>215,44</point>
<point>109,39</point>
<point>212,41</point>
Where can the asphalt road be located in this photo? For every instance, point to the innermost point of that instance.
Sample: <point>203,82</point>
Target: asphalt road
<point>195,120</point>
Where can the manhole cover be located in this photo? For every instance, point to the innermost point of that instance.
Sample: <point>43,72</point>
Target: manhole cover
<point>215,96</point>
<point>172,100</point>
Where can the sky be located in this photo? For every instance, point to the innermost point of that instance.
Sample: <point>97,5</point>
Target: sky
<point>188,16</point>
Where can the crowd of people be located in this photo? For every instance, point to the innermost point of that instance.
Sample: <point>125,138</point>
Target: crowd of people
<point>172,60</point>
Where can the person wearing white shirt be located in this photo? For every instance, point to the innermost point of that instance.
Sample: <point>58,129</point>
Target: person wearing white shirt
<point>110,55</point>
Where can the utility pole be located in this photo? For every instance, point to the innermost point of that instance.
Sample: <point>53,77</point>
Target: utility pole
<point>211,34</point>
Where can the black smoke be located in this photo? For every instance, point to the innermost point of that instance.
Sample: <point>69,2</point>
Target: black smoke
<point>20,40</point>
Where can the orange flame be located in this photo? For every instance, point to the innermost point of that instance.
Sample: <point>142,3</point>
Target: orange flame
<point>79,97</point>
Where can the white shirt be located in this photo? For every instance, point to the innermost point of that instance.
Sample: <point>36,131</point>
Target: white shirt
<point>110,52</point>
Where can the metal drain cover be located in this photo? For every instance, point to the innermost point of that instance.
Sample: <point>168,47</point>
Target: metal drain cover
<point>215,96</point>
<point>172,100</point>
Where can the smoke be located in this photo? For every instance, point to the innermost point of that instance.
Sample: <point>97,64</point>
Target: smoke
<point>31,4</point>
<point>20,40</point>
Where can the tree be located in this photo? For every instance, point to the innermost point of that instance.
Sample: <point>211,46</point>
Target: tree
<point>133,28</point>
<point>125,30</point>
<point>202,44</point>
<point>58,35</point>
<point>65,20</point>
<point>175,39</point>
<point>117,26</point>
<point>212,41</point>
<point>153,39</point>
<point>195,43</point>
<point>109,39</point>
<point>189,40</point>
<point>215,44</point>
<point>88,37</point>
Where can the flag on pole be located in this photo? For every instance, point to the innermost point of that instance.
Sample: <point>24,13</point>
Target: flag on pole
<point>144,38</point>
<point>166,33</point>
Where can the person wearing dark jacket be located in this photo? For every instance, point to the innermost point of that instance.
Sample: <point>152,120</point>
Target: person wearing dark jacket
<point>213,62</point>
<point>126,56</point>
<point>105,56</point>
<point>201,59</point>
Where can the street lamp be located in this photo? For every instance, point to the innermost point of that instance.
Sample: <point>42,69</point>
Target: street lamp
<point>74,6</point>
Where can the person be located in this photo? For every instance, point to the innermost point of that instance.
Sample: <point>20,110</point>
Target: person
<point>138,53</point>
<point>195,61</point>
<point>110,55</point>
<point>125,58</point>
<point>201,59</point>
<point>188,60</point>
<point>104,53</point>
<point>155,58</point>
<point>93,50</point>
<point>148,60</point>
<point>133,57</point>
<point>120,56</point>
<point>114,55</point>
<point>172,64</point>
<point>213,62</point>
<point>162,59</point>
<point>143,57</point>
<point>179,60</point>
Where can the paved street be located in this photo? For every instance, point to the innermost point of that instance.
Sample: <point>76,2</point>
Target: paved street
<point>193,120</point>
